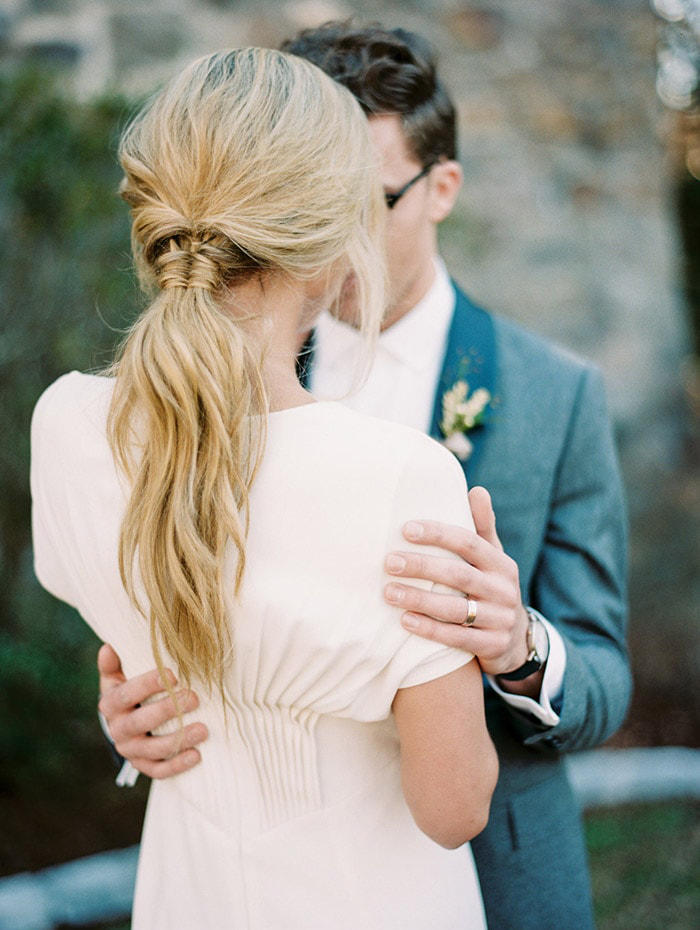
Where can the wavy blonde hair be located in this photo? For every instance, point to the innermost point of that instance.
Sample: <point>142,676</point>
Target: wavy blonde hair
<point>250,162</point>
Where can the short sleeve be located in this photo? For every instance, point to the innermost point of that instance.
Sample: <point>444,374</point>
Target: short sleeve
<point>45,476</point>
<point>431,486</point>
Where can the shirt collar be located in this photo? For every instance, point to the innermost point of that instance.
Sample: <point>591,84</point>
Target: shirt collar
<point>413,340</point>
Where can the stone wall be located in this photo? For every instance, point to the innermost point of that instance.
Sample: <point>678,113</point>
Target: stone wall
<point>564,219</point>
<point>565,222</point>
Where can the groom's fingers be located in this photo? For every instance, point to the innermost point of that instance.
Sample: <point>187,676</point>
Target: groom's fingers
<point>486,645</point>
<point>483,515</point>
<point>451,610</point>
<point>165,748</point>
<point>131,718</point>
<point>468,639</point>
<point>447,608</point>
<point>164,768</point>
<point>143,720</point>
<point>128,694</point>
<point>452,573</point>
<point>110,669</point>
<point>108,663</point>
<point>495,648</point>
<point>467,544</point>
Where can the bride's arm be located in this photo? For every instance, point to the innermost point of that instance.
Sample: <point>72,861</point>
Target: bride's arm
<point>449,766</point>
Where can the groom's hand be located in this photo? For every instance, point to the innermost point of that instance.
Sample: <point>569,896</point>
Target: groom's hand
<point>484,573</point>
<point>130,721</point>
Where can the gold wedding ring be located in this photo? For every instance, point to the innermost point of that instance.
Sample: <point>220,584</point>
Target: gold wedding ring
<point>471,613</point>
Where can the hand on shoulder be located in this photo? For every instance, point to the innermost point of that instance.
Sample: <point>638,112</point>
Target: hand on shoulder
<point>483,577</point>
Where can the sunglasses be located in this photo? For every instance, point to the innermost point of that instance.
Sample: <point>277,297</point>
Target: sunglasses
<point>393,199</point>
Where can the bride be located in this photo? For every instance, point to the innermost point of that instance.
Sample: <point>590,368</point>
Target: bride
<point>200,509</point>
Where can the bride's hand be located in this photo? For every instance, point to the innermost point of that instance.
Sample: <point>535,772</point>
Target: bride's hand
<point>130,724</point>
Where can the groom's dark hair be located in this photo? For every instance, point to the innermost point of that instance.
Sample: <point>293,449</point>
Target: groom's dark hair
<point>388,71</point>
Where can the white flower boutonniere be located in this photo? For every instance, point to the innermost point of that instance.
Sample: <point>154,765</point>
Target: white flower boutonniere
<point>460,414</point>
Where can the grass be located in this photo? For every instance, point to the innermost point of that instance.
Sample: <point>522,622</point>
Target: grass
<point>645,866</point>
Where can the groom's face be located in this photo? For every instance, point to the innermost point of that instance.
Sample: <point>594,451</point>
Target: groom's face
<point>409,229</point>
<point>411,225</point>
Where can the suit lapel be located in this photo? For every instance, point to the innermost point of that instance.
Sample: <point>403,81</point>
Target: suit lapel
<point>470,355</point>
<point>305,359</point>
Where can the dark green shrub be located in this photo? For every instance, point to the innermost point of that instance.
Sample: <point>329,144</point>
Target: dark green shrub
<point>67,291</point>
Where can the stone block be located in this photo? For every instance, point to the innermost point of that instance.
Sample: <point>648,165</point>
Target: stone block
<point>141,36</point>
<point>305,14</point>
<point>478,28</point>
<point>55,54</point>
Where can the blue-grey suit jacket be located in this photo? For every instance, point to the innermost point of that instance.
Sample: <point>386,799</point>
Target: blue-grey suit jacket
<point>546,455</point>
<point>545,452</point>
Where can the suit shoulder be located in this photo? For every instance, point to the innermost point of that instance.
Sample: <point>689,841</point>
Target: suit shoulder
<point>521,344</point>
<point>521,350</point>
<point>543,390</point>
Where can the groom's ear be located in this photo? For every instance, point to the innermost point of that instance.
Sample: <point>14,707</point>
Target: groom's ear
<point>445,184</point>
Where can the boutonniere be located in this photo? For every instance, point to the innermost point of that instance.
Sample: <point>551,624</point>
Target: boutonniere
<point>462,412</point>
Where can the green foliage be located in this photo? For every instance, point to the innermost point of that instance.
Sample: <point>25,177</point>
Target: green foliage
<point>67,291</point>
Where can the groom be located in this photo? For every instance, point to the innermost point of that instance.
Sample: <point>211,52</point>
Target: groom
<point>545,592</point>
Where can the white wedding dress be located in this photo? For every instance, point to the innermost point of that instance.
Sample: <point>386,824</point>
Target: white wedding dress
<point>294,819</point>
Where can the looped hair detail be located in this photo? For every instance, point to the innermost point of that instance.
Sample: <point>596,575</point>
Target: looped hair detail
<point>191,264</point>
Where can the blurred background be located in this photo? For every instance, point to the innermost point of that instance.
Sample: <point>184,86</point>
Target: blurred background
<point>580,218</point>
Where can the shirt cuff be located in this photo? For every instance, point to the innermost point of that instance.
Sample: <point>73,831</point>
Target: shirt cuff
<point>128,775</point>
<point>552,682</point>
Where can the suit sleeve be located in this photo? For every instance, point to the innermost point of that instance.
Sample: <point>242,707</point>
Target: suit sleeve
<point>580,581</point>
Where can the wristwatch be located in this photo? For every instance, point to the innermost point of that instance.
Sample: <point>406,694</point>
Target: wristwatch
<point>537,649</point>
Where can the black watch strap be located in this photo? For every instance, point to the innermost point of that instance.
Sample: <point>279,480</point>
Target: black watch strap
<point>528,668</point>
<point>534,661</point>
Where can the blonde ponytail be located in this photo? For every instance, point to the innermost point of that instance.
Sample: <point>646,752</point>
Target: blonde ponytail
<point>249,162</point>
<point>188,373</point>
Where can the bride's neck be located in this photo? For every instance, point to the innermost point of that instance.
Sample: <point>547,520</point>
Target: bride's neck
<point>275,311</point>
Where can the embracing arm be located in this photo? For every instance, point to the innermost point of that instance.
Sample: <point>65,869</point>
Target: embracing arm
<point>449,766</point>
<point>580,582</point>
<point>131,714</point>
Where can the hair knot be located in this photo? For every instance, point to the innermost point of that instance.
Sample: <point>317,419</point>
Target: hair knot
<point>191,263</point>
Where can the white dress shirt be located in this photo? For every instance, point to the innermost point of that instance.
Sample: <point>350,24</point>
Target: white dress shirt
<point>401,383</point>
<point>401,388</point>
